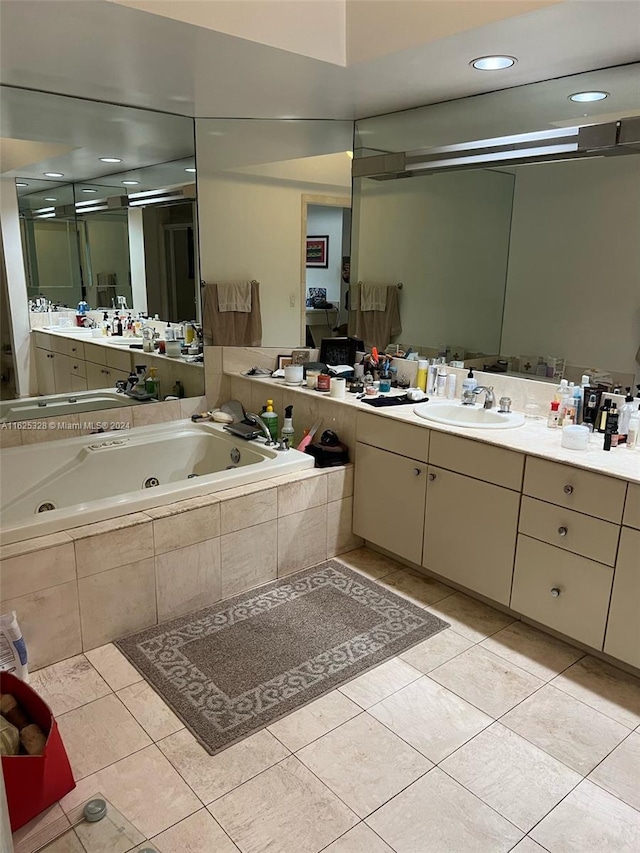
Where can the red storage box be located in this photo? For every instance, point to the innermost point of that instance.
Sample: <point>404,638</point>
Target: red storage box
<point>34,782</point>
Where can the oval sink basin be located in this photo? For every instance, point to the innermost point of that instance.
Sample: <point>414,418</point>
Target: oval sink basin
<point>474,417</point>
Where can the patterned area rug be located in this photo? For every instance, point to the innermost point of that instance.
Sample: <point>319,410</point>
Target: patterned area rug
<point>236,667</point>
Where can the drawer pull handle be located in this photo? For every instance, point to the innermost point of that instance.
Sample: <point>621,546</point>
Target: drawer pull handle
<point>555,592</point>
<point>416,472</point>
<point>568,490</point>
<point>563,531</point>
<point>74,349</point>
<point>432,477</point>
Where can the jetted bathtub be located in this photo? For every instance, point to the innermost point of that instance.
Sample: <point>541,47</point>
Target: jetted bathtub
<point>28,408</point>
<point>46,489</point>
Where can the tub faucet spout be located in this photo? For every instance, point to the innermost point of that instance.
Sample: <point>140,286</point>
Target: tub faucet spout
<point>257,420</point>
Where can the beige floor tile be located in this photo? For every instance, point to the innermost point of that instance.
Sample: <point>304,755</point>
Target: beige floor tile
<point>514,777</point>
<point>286,809</point>
<point>155,717</point>
<point>417,588</point>
<point>117,602</point>
<point>431,718</point>
<point>69,843</point>
<point>248,557</point>
<point>528,845</point>
<point>69,684</point>
<point>606,688</point>
<point>489,682</point>
<point>572,732</point>
<point>378,683</point>
<point>314,720</point>
<point>211,776</point>
<point>364,763</point>
<point>436,814</point>
<point>113,666</point>
<point>198,833</point>
<point>436,650</point>
<point>144,787</point>
<point>39,830</point>
<point>590,820</point>
<point>360,839</point>
<point>99,734</point>
<point>113,834</point>
<point>469,617</point>
<point>188,579</point>
<point>370,563</point>
<point>302,540</point>
<point>619,773</point>
<point>533,650</point>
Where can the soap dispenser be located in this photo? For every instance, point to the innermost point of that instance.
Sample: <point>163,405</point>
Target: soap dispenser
<point>469,383</point>
<point>624,414</point>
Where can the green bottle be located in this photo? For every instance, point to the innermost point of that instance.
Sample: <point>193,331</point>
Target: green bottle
<point>271,420</point>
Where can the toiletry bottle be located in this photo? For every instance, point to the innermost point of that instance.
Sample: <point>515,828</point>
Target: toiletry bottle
<point>441,381</point>
<point>611,424</point>
<point>452,380</point>
<point>432,374</point>
<point>421,378</point>
<point>633,428</point>
<point>271,420</point>
<point>169,333</point>
<point>626,410</point>
<point>602,415</point>
<point>105,323</point>
<point>568,411</point>
<point>469,383</point>
<point>288,431</point>
<point>552,420</point>
<point>152,384</point>
<point>577,402</point>
<point>178,389</point>
<point>563,395</point>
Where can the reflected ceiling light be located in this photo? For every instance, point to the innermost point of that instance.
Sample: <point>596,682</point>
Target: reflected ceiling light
<point>21,184</point>
<point>88,190</point>
<point>44,216</point>
<point>349,154</point>
<point>110,160</point>
<point>53,175</point>
<point>189,170</point>
<point>95,209</point>
<point>44,209</point>
<point>51,199</point>
<point>493,63</point>
<point>588,97</point>
<point>130,183</point>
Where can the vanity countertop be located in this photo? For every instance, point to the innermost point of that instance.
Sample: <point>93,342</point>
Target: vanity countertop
<point>533,438</point>
<point>86,337</point>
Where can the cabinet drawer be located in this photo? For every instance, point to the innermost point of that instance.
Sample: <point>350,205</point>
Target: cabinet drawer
<point>572,531</point>
<point>77,368</point>
<point>475,459</point>
<point>561,590</point>
<point>119,360</point>
<point>584,491</point>
<point>42,339</point>
<point>76,350</point>
<point>59,345</point>
<point>632,506</point>
<point>623,628</point>
<point>394,436</point>
<point>78,383</point>
<point>95,353</point>
<point>389,497</point>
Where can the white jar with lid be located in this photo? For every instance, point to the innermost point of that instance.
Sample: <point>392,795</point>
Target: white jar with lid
<point>575,437</point>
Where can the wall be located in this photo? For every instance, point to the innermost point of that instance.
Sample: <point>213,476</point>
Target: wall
<point>108,241</point>
<point>446,238</point>
<point>323,221</point>
<point>57,261</point>
<point>574,263</point>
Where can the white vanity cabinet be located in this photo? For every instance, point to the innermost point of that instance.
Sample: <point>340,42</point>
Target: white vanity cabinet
<point>64,364</point>
<point>44,371</point>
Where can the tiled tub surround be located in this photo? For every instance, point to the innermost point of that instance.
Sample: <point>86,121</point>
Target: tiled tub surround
<point>78,589</point>
<point>91,479</point>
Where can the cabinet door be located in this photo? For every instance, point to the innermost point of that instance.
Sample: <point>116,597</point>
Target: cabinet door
<point>389,496</point>
<point>44,372</point>
<point>622,639</point>
<point>62,373</point>
<point>470,532</point>
<point>99,376</point>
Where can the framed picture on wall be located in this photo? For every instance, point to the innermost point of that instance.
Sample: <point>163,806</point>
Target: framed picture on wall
<point>318,251</point>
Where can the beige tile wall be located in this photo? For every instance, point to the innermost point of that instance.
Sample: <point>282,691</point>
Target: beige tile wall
<point>80,589</point>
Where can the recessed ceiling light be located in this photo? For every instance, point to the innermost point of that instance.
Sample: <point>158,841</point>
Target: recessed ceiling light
<point>493,63</point>
<point>89,191</point>
<point>110,160</point>
<point>20,184</point>
<point>189,170</point>
<point>130,183</point>
<point>53,175</point>
<point>588,97</point>
<point>51,199</point>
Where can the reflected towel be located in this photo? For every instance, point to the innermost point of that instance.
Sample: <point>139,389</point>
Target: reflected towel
<point>234,296</point>
<point>231,328</point>
<point>373,297</point>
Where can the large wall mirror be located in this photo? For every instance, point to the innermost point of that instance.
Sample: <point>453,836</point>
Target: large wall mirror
<point>515,243</point>
<point>107,206</point>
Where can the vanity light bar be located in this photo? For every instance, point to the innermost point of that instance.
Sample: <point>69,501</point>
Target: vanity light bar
<point>94,209</point>
<point>44,216</point>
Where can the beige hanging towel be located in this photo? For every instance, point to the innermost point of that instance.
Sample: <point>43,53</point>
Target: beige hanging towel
<point>234,296</point>
<point>231,328</point>
<point>375,328</point>
<point>373,297</point>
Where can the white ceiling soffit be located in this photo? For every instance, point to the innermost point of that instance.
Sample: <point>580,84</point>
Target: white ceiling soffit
<point>110,52</point>
<point>16,154</point>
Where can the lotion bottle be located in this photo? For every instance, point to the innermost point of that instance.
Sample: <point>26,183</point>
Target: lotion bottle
<point>271,420</point>
<point>421,379</point>
<point>287,427</point>
<point>441,381</point>
<point>469,383</point>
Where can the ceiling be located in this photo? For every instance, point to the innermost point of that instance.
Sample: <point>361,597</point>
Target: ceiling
<point>110,52</point>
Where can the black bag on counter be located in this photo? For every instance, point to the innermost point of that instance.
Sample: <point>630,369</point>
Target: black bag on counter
<point>329,451</point>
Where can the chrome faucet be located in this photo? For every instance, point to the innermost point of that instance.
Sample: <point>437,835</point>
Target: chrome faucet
<point>257,420</point>
<point>469,397</point>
